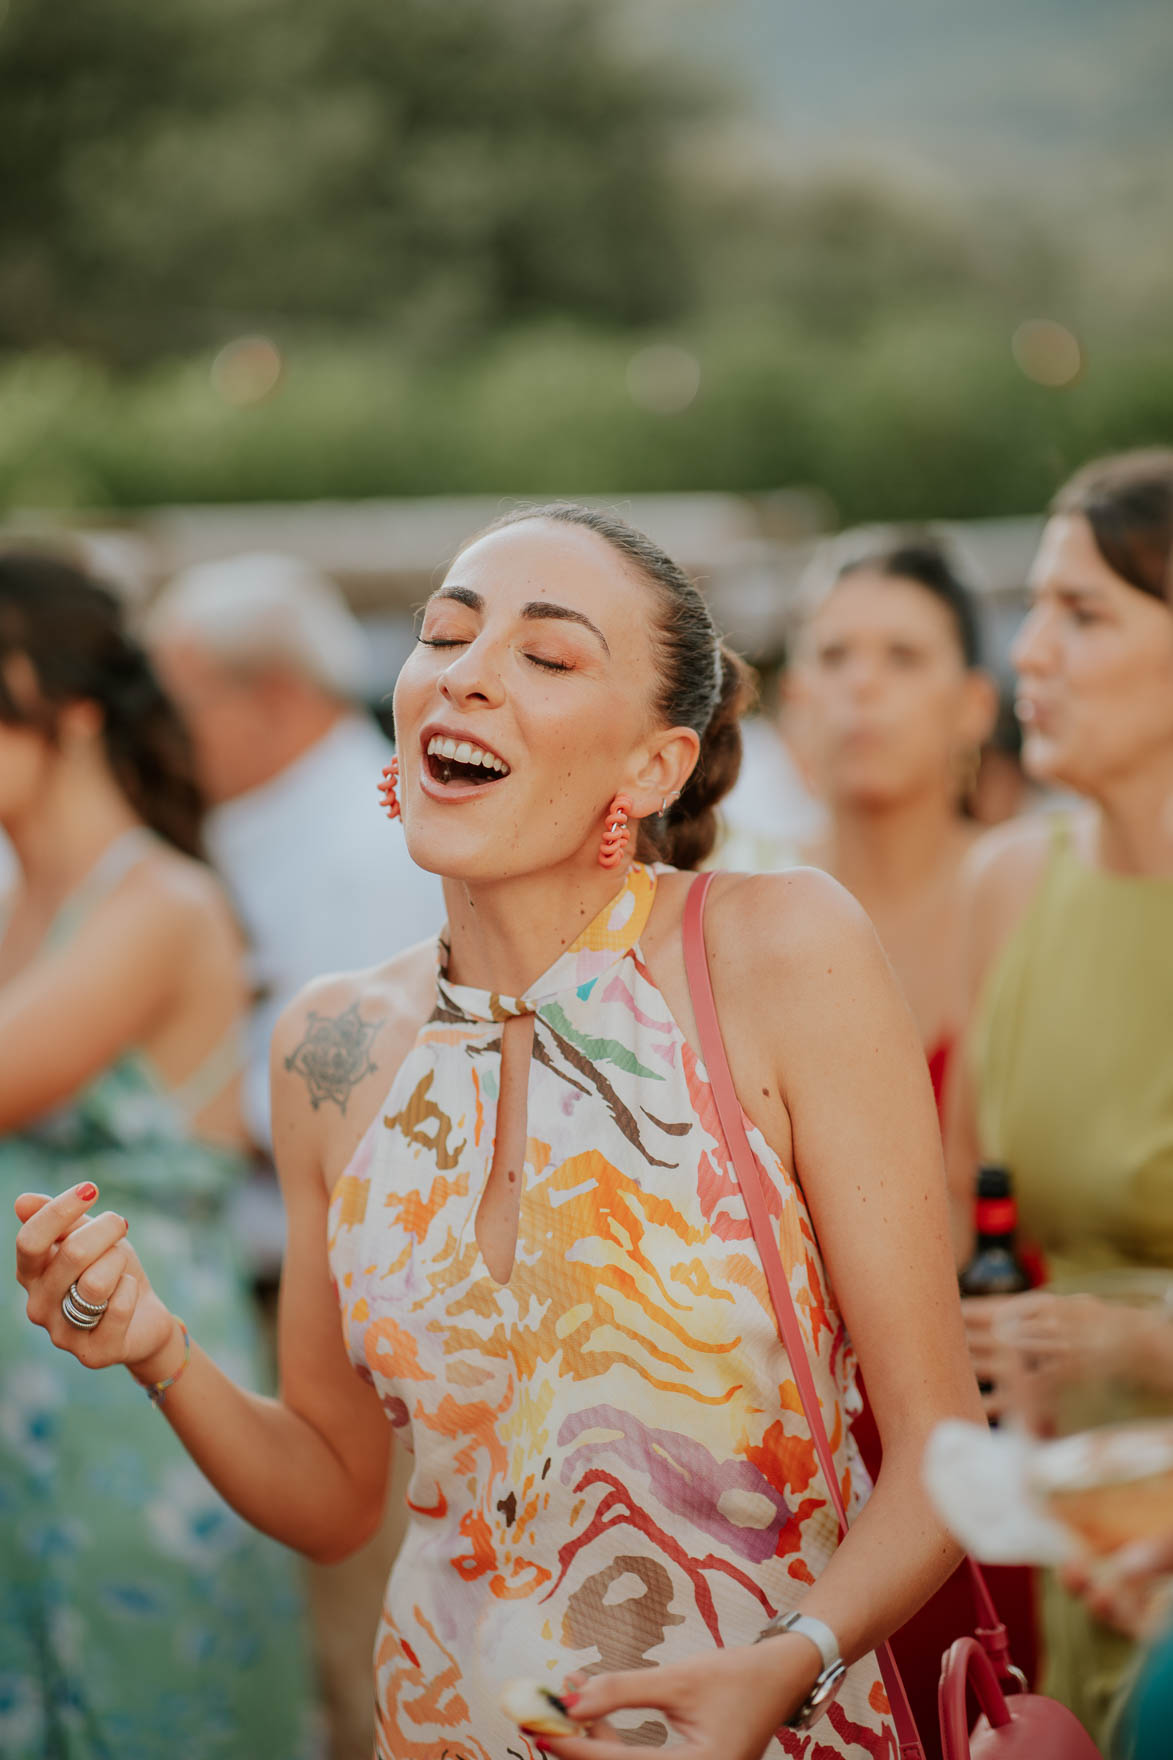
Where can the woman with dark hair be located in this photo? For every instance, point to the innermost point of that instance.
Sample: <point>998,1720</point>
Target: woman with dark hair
<point>895,711</point>
<point>1069,1081</point>
<point>138,1615</point>
<point>503,1160</point>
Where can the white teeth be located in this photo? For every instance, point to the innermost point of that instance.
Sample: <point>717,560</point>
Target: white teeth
<point>464,752</point>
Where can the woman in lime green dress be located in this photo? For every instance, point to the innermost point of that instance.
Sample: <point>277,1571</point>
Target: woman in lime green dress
<point>139,1617</point>
<point>1069,1079</point>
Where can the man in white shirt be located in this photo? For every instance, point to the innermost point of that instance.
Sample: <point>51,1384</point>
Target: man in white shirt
<point>270,670</point>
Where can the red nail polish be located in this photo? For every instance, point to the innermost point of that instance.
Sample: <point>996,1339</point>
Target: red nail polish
<point>87,1192</point>
<point>570,1700</point>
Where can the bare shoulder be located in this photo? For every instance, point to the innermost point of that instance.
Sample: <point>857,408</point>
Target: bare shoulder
<point>801,923</point>
<point>337,1048</point>
<point>177,883</point>
<point>383,999</point>
<point>1000,877</point>
<point>1012,855</point>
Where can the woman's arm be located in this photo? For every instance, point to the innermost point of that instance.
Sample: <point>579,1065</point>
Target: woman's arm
<point>852,1075</point>
<point>810,1009</point>
<point>310,1467</point>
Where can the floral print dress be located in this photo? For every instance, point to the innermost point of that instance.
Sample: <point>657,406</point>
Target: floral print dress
<point>611,1466</point>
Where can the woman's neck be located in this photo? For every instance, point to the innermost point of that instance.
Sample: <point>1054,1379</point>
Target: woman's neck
<point>504,934</point>
<point>1134,832</point>
<point>59,838</point>
<point>886,852</point>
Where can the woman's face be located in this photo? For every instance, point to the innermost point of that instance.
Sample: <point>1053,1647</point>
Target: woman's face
<point>887,706</point>
<point>527,705</point>
<point>1095,667</point>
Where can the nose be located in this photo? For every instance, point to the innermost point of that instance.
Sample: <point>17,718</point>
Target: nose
<point>1032,650</point>
<point>473,678</point>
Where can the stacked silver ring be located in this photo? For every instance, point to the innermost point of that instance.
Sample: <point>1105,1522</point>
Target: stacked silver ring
<point>81,1313</point>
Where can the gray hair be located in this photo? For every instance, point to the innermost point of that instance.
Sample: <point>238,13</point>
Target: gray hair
<point>267,610</point>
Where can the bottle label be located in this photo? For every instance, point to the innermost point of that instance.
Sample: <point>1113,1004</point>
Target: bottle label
<point>997,1216</point>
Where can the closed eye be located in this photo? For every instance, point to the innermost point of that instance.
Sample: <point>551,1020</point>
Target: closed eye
<point>550,665</point>
<point>443,641</point>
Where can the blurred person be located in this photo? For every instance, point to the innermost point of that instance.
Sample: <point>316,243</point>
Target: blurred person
<point>770,810</point>
<point>270,668</point>
<point>495,1152</point>
<point>1002,789</point>
<point>138,1614</point>
<point>1069,1081</point>
<point>896,712</point>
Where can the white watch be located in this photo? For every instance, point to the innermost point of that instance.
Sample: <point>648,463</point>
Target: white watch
<point>833,1670</point>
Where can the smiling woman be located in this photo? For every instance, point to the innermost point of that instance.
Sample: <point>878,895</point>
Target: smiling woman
<point>1069,1082</point>
<point>523,1203</point>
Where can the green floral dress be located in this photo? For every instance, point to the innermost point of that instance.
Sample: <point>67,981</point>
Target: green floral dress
<point>140,1618</point>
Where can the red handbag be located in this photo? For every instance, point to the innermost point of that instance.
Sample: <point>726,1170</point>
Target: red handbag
<point>1026,1726</point>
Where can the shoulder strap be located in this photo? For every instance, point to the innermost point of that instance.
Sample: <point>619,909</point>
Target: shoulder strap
<point>745,1165</point>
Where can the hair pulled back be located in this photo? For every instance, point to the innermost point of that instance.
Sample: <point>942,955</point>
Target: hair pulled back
<point>917,556</point>
<point>73,634</point>
<point>1127,500</point>
<point>702,683</point>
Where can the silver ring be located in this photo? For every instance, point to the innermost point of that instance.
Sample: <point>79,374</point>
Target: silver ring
<point>80,1313</point>
<point>79,1301</point>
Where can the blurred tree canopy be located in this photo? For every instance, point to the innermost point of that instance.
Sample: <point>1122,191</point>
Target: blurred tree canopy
<point>169,173</point>
<point>466,227</point>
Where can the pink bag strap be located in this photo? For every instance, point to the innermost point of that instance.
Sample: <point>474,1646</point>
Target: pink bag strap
<point>749,1178</point>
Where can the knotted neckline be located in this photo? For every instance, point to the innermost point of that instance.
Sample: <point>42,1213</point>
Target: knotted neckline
<point>607,939</point>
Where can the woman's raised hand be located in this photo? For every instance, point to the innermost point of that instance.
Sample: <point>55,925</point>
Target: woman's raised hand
<point>58,1245</point>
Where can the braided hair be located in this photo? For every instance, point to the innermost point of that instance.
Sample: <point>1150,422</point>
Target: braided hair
<point>72,632</point>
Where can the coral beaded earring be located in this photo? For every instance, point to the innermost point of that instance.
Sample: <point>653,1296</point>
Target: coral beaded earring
<point>388,791</point>
<point>616,836</point>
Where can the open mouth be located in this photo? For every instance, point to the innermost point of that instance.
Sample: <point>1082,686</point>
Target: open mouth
<point>454,763</point>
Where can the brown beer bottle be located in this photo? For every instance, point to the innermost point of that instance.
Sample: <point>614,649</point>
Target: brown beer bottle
<point>995,1268</point>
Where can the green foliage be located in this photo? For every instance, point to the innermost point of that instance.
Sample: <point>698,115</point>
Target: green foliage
<point>173,174</point>
<point>461,222</point>
<point>914,418</point>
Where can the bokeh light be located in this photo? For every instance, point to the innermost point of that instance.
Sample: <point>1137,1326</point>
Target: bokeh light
<point>247,370</point>
<point>663,378</point>
<point>1047,352</point>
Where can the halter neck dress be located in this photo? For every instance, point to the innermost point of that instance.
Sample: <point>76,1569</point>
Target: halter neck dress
<point>611,1466</point>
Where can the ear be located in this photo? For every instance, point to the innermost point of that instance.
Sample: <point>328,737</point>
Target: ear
<point>663,769</point>
<point>979,708</point>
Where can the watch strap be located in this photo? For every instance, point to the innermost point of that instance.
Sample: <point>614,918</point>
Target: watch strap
<point>805,1624</point>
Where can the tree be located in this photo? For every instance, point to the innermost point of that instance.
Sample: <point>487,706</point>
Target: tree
<point>171,175</point>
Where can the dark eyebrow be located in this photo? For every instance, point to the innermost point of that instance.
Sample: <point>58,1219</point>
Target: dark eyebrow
<point>546,608</point>
<point>537,608</point>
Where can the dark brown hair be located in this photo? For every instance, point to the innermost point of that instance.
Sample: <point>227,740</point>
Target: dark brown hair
<point>703,684</point>
<point>921,559</point>
<point>73,634</point>
<point>1127,501</point>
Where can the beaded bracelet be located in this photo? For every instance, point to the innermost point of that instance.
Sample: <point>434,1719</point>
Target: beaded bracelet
<point>155,1390</point>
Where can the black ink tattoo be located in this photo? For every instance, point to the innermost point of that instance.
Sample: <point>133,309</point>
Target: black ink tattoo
<point>333,1056</point>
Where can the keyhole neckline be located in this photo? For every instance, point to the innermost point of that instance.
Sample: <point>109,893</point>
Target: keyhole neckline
<point>607,939</point>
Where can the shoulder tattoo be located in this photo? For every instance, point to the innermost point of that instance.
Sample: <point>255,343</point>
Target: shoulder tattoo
<point>333,1056</point>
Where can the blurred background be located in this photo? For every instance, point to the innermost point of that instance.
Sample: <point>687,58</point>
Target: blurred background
<point>796,266</point>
